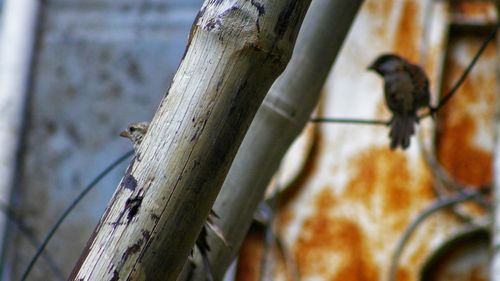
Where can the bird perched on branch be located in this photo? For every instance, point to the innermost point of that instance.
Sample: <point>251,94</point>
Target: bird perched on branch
<point>406,90</point>
<point>135,132</point>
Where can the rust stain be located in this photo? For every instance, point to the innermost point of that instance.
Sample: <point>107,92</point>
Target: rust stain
<point>382,173</point>
<point>380,10</point>
<point>284,217</point>
<point>408,31</point>
<point>325,237</point>
<point>473,11</point>
<point>325,199</point>
<point>377,173</point>
<point>248,268</point>
<point>472,8</point>
<point>467,113</point>
<point>403,275</point>
<point>459,157</point>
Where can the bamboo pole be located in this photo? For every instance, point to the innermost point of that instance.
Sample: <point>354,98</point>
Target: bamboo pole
<point>236,50</point>
<point>280,119</point>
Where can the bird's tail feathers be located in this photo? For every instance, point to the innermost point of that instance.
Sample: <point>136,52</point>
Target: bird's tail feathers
<point>402,128</point>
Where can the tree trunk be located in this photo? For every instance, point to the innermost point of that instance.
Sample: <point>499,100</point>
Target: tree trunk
<point>282,116</point>
<point>236,50</point>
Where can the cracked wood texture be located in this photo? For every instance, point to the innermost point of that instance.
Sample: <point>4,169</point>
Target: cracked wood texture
<point>236,50</point>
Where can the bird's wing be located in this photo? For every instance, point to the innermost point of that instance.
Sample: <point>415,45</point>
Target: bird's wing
<point>399,93</point>
<point>421,85</point>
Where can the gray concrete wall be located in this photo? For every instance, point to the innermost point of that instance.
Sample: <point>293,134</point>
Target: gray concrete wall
<point>99,65</point>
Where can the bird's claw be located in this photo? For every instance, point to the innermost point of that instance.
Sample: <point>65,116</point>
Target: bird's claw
<point>433,111</point>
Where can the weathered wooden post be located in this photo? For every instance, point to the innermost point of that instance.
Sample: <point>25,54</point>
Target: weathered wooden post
<point>236,50</point>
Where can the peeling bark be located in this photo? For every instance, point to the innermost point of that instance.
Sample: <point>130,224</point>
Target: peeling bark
<point>236,50</point>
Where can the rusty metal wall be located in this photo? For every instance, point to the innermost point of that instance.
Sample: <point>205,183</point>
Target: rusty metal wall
<point>342,217</point>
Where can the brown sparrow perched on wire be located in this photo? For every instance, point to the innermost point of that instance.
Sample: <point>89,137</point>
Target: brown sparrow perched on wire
<point>406,89</point>
<point>135,132</point>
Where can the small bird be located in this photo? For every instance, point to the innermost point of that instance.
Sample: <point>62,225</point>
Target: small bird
<point>406,89</point>
<point>135,132</point>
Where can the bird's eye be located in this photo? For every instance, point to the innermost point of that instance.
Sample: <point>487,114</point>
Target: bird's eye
<point>132,129</point>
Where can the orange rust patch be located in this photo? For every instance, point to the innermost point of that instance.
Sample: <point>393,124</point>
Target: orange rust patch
<point>325,199</point>
<point>473,11</point>
<point>408,32</point>
<point>284,217</point>
<point>380,10</point>
<point>489,53</point>
<point>248,268</point>
<point>472,8</point>
<point>329,237</point>
<point>380,172</point>
<point>458,124</point>
<point>459,156</point>
<point>403,275</point>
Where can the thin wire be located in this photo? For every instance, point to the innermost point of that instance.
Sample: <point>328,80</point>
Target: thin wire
<point>350,121</point>
<point>70,208</point>
<point>436,206</point>
<point>443,101</point>
<point>453,90</point>
<point>31,238</point>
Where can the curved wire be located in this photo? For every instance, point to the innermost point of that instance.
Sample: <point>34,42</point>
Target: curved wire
<point>24,230</point>
<point>436,206</point>
<point>469,67</point>
<point>70,208</point>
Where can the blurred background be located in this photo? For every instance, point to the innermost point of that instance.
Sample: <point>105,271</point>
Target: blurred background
<point>74,74</point>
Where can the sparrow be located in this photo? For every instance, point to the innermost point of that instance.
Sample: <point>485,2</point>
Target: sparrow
<point>406,90</point>
<point>135,132</point>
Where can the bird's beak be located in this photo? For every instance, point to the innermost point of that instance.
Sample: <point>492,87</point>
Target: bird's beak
<point>370,67</point>
<point>125,134</point>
